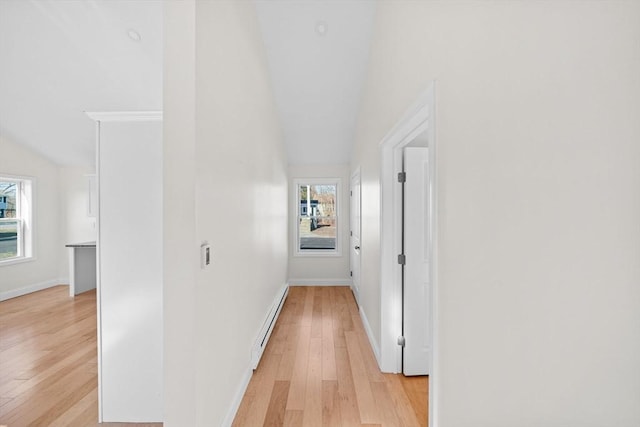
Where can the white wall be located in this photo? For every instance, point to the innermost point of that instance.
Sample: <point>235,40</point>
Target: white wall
<point>320,269</point>
<point>180,246</point>
<point>75,224</point>
<point>539,202</point>
<point>43,270</point>
<point>130,271</point>
<point>239,205</point>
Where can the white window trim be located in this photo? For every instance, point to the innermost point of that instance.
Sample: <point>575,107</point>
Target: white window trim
<point>337,252</point>
<point>26,208</point>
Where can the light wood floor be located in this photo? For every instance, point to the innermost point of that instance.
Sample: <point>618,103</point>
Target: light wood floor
<point>48,361</point>
<point>318,370</point>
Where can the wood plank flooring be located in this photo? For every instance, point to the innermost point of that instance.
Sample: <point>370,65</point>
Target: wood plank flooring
<point>319,370</point>
<point>48,361</point>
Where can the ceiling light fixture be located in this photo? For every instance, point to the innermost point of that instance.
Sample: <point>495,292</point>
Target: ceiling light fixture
<point>134,35</point>
<point>321,28</point>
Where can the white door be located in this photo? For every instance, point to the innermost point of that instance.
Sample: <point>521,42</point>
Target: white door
<point>417,350</point>
<point>354,240</point>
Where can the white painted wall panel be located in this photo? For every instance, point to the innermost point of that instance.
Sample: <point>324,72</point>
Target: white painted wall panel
<point>537,107</point>
<point>76,226</point>
<point>226,151</point>
<point>130,263</point>
<point>241,201</point>
<point>181,250</point>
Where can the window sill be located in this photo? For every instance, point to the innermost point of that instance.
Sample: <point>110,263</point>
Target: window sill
<point>12,261</point>
<point>320,254</point>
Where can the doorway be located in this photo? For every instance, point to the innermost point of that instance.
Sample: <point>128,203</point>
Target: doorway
<point>354,234</point>
<point>417,124</point>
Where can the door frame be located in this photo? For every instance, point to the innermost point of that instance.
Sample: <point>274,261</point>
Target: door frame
<point>355,173</point>
<point>418,118</point>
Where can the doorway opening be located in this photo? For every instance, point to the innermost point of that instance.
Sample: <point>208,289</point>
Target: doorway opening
<point>354,233</point>
<point>415,129</point>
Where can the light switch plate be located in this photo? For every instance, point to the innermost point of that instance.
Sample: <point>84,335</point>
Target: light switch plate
<point>205,255</point>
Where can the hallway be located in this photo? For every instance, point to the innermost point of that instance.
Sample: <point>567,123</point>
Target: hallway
<point>318,370</point>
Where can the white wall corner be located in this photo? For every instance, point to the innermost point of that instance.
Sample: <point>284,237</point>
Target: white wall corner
<point>256,352</point>
<point>269,323</point>
<point>372,339</point>
<point>237,397</point>
<point>31,288</point>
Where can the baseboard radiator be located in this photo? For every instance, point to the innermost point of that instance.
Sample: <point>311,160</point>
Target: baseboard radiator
<point>267,327</point>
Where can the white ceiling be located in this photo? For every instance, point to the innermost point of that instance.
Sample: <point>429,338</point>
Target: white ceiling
<point>317,79</point>
<point>59,58</point>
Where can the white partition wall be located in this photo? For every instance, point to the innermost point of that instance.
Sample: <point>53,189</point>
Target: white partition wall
<point>130,266</point>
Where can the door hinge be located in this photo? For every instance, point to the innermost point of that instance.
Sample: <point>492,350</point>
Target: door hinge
<point>351,193</point>
<point>351,233</point>
<point>402,177</point>
<point>402,259</point>
<point>351,273</point>
<point>401,341</point>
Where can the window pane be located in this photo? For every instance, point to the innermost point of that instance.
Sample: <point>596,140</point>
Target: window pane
<point>7,199</point>
<point>317,233</point>
<point>302,191</point>
<point>8,239</point>
<point>317,230</point>
<point>317,200</point>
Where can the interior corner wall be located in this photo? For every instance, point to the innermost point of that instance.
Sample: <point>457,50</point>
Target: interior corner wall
<point>228,182</point>
<point>180,248</point>
<point>75,224</point>
<point>49,249</point>
<point>323,269</point>
<point>537,130</point>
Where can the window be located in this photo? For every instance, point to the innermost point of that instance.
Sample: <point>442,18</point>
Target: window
<point>316,230</point>
<point>15,219</point>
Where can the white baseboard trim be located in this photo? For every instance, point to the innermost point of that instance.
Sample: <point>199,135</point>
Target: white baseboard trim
<point>372,340</point>
<point>256,352</point>
<point>237,398</point>
<point>13,293</point>
<point>319,282</point>
<point>267,327</point>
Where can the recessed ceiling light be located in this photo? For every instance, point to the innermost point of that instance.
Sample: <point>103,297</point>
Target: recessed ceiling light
<point>134,35</point>
<point>321,28</point>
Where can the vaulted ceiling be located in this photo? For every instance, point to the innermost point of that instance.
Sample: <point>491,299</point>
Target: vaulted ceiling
<point>61,58</point>
<point>318,55</point>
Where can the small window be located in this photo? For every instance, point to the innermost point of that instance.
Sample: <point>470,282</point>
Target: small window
<point>316,230</point>
<point>15,219</point>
